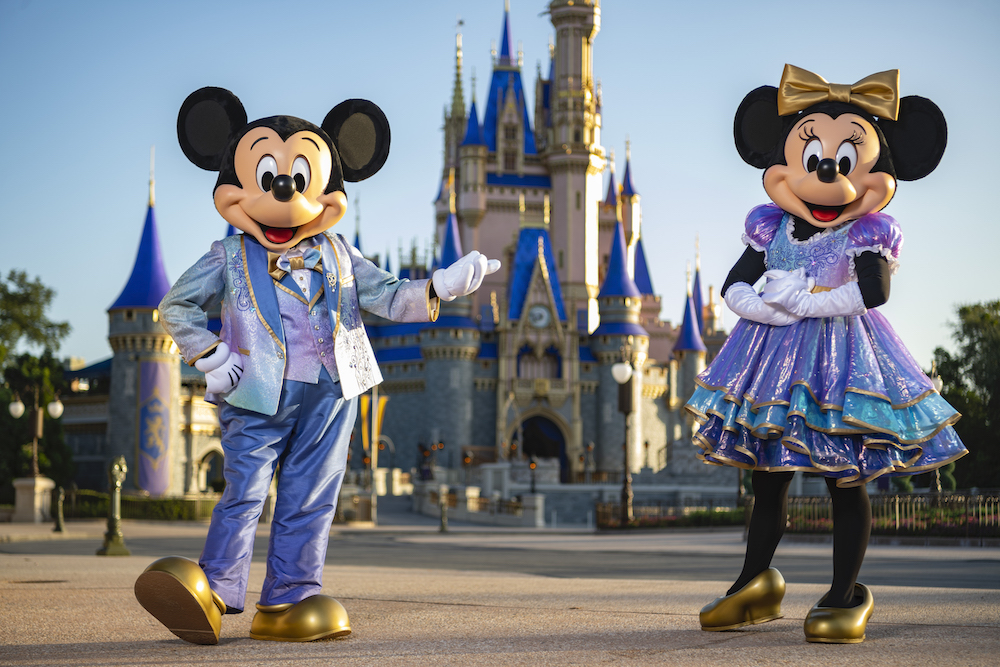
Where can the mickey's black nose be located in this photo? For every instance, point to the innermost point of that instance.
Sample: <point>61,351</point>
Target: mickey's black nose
<point>826,170</point>
<point>283,187</point>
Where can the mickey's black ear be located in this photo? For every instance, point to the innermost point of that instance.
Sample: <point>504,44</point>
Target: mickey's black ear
<point>758,127</point>
<point>207,120</point>
<point>360,131</point>
<point>917,138</point>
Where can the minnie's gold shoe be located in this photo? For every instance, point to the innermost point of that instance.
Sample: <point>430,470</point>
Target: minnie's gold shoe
<point>836,625</point>
<point>175,591</point>
<point>316,617</point>
<point>757,602</point>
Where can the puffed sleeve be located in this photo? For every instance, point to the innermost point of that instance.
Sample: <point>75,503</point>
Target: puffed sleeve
<point>877,233</point>
<point>761,225</point>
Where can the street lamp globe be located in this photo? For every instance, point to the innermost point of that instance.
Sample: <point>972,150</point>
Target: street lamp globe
<point>16,409</point>
<point>55,409</point>
<point>621,372</point>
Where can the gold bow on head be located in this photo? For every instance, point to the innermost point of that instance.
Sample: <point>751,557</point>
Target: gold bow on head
<point>877,94</point>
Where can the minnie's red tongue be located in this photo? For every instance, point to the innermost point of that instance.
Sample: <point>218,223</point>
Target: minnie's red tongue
<point>821,214</point>
<point>279,235</point>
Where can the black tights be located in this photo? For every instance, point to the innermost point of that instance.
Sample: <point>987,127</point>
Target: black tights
<point>852,521</point>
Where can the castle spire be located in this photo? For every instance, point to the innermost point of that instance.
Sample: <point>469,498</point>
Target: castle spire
<point>696,293</point>
<point>457,95</point>
<point>451,247</point>
<point>152,178</point>
<point>148,282</point>
<point>618,282</point>
<point>627,188</point>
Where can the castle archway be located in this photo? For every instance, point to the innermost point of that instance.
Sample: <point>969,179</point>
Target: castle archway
<point>544,438</point>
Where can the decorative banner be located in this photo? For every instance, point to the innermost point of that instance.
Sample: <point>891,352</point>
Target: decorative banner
<point>153,425</point>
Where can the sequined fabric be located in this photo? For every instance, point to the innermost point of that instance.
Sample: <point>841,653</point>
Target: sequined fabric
<point>839,396</point>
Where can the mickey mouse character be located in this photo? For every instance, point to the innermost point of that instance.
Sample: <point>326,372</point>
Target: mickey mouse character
<point>812,378</point>
<point>291,358</point>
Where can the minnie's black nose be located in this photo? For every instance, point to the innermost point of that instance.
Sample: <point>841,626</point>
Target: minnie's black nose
<point>283,187</point>
<point>826,170</point>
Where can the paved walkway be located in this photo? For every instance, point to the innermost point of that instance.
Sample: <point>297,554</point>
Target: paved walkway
<point>80,610</point>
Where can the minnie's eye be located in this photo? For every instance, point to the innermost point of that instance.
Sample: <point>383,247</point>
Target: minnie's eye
<point>812,155</point>
<point>266,169</point>
<point>300,173</point>
<point>847,158</point>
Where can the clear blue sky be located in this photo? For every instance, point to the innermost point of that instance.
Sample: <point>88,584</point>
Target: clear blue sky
<point>88,87</point>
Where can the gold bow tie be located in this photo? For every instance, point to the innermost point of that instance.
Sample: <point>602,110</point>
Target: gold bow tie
<point>293,263</point>
<point>877,94</point>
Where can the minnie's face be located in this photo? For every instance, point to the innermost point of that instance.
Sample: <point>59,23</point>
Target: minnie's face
<point>281,200</point>
<point>827,177</point>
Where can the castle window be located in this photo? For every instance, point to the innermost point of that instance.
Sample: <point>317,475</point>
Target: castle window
<point>576,136</point>
<point>510,132</point>
<point>578,200</point>
<point>510,162</point>
<point>560,259</point>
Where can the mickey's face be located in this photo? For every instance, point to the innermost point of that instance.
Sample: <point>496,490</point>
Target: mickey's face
<point>827,177</point>
<point>281,200</point>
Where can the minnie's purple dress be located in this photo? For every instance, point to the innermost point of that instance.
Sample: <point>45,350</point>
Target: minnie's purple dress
<point>839,396</point>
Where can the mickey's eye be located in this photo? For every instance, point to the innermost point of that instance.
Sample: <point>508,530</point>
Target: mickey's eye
<point>301,173</point>
<point>847,158</point>
<point>266,170</point>
<point>812,155</point>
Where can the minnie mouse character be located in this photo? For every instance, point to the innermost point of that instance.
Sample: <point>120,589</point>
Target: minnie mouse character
<point>290,360</point>
<point>812,378</point>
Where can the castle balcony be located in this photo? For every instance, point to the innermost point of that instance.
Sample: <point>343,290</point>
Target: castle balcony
<point>555,390</point>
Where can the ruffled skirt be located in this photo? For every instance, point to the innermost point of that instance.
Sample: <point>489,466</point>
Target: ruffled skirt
<point>839,396</point>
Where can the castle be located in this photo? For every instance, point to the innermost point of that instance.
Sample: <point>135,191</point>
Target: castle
<point>518,371</point>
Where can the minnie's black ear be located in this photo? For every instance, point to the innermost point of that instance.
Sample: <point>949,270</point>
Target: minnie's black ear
<point>360,131</point>
<point>917,138</point>
<point>758,127</point>
<point>207,120</point>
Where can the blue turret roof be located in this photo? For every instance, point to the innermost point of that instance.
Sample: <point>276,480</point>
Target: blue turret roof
<point>357,240</point>
<point>506,57</point>
<point>387,266</point>
<point>148,283</point>
<point>641,272</point>
<point>473,130</point>
<point>525,260</point>
<point>506,79</point>
<point>451,248</point>
<point>696,299</point>
<point>618,282</point>
<point>627,188</point>
<point>612,197</point>
<point>690,335</point>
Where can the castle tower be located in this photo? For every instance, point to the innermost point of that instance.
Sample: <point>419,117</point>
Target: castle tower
<point>631,210</point>
<point>144,405</point>
<point>472,179</point>
<point>620,302</point>
<point>609,217</point>
<point>574,156</point>
<point>689,350</point>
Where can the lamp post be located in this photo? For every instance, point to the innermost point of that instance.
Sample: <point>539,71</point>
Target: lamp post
<point>622,374</point>
<point>938,386</point>
<point>36,419</point>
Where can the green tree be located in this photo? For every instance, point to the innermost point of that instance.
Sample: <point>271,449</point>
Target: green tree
<point>23,303</point>
<point>971,379</point>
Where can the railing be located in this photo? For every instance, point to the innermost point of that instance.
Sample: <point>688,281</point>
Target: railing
<point>354,508</point>
<point>909,515</point>
<point>665,515</point>
<point>87,504</point>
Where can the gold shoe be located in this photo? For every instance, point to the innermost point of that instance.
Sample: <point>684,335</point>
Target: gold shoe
<point>757,602</point>
<point>175,590</point>
<point>836,625</point>
<point>316,617</point>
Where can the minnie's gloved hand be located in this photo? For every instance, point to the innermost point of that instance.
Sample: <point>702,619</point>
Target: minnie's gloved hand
<point>222,369</point>
<point>464,276</point>
<point>780,284</point>
<point>843,301</point>
<point>745,302</point>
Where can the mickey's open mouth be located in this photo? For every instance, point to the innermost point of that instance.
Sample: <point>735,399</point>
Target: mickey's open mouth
<point>825,213</point>
<point>277,235</point>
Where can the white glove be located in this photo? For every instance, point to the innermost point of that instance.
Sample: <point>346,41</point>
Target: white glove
<point>745,302</point>
<point>464,276</point>
<point>781,282</point>
<point>843,301</point>
<point>222,369</point>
